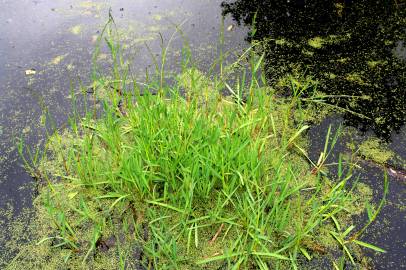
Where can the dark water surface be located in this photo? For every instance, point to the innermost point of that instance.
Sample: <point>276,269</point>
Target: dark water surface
<point>389,230</point>
<point>351,49</point>
<point>355,48</point>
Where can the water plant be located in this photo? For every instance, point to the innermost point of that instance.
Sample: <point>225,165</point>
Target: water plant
<point>207,172</point>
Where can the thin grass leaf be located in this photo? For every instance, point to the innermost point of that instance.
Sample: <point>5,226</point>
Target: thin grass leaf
<point>166,206</point>
<point>297,133</point>
<point>370,246</point>
<point>303,250</point>
<point>271,255</point>
<point>220,257</point>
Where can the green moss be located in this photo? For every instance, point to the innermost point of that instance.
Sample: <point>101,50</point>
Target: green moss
<point>374,64</point>
<point>316,42</point>
<point>375,150</point>
<point>317,113</point>
<point>76,30</point>
<point>283,42</point>
<point>388,42</point>
<point>155,28</point>
<point>57,59</point>
<point>91,5</point>
<point>157,17</point>
<point>343,60</point>
<point>70,67</point>
<point>356,78</point>
<point>307,52</point>
<point>339,8</point>
<point>84,213</point>
<point>179,166</point>
<point>363,195</point>
<point>331,76</point>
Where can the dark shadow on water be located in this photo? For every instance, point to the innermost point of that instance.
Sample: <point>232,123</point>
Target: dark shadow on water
<point>352,47</point>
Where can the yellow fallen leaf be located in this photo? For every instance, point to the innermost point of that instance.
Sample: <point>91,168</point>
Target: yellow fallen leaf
<point>157,17</point>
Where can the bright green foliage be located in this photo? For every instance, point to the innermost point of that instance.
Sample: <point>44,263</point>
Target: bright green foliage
<point>195,178</point>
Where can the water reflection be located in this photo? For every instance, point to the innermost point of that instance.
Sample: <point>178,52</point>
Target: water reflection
<point>351,47</point>
<point>56,39</point>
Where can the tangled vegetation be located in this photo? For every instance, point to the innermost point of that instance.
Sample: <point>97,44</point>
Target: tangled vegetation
<point>199,174</point>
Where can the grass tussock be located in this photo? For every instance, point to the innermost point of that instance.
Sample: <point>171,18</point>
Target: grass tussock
<point>199,174</point>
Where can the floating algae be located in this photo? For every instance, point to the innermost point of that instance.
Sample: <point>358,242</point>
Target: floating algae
<point>360,42</point>
<point>76,30</point>
<point>57,59</point>
<point>375,150</point>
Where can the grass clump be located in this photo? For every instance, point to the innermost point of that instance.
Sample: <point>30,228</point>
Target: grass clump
<point>184,176</point>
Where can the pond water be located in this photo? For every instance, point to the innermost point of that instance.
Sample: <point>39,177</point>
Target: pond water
<point>355,49</point>
<point>46,47</point>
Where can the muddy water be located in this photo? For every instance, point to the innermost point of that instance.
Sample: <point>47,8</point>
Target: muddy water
<point>45,51</point>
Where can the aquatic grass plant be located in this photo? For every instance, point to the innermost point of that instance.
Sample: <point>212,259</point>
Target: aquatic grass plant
<point>203,173</point>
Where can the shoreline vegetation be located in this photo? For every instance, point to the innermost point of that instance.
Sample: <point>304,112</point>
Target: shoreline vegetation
<point>209,172</point>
